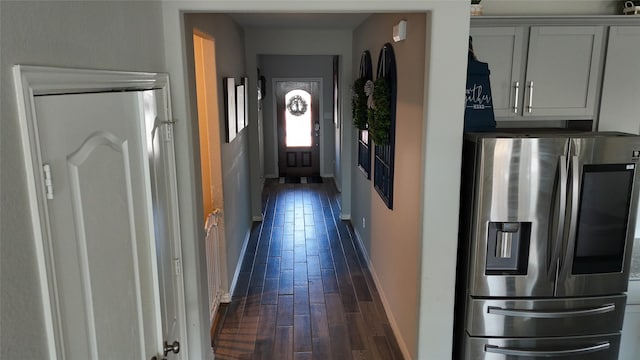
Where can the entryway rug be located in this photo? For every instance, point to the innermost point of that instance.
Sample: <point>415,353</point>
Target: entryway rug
<point>314,180</point>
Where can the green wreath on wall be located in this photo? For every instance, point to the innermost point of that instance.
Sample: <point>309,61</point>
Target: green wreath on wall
<point>359,110</point>
<point>379,112</point>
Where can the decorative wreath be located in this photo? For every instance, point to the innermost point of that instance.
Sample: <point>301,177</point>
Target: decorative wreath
<point>359,109</point>
<point>297,106</point>
<point>380,112</point>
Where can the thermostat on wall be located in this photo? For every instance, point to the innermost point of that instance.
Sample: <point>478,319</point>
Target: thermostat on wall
<point>400,31</point>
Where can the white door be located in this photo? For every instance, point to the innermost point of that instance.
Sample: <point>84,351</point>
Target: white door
<point>101,222</point>
<point>160,151</point>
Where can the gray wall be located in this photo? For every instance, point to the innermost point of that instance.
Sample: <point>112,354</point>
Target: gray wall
<point>283,66</point>
<point>229,45</point>
<point>101,35</point>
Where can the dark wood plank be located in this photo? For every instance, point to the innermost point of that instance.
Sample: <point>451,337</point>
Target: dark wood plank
<point>361,355</point>
<point>313,265</point>
<point>286,282</point>
<point>356,329</point>
<point>329,282</point>
<point>303,356</point>
<point>283,343</point>
<point>361,288</point>
<point>266,332</point>
<point>285,310</point>
<point>316,294</point>
<point>371,318</point>
<point>270,291</point>
<point>322,348</point>
<point>286,260</point>
<point>273,267</point>
<point>340,346</point>
<point>319,324</point>
<point>301,300</point>
<point>301,333</point>
<point>392,341</point>
<point>382,347</point>
<point>335,311</point>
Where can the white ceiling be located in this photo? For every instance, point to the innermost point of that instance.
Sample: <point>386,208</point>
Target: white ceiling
<point>300,20</point>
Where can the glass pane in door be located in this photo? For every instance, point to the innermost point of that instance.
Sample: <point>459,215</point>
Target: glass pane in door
<point>297,118</point>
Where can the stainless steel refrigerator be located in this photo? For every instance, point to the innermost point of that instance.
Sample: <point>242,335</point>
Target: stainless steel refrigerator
<point>547,224</point>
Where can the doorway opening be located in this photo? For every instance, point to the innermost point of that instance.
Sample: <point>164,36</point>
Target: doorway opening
<point>211,170</point>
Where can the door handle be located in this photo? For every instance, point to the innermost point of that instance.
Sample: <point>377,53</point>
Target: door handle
<point>175,348</point>
<point>564,176</point>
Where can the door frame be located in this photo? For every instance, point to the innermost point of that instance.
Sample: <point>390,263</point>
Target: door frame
<point>274,99</point>
<point>29,82</point>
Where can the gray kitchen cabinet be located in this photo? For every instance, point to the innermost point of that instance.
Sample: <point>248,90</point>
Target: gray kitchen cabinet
<point>503,49</point>
<point>621,81</point>
<point>541,72</point>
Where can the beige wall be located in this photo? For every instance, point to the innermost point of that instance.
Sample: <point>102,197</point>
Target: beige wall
<point>395,235</point>
<point>70,34</point>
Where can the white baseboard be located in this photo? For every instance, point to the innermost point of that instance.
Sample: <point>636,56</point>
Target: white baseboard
<point>387,309</point>
<point>236,274</point>
<point>271,176</point>
<point>257,218</point>
<point>345,217</point>
<point>327,175</point>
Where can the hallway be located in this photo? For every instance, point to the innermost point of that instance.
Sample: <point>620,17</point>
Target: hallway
<point>304,290</point>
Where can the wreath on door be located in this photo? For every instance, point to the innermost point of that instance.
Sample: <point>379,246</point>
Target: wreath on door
<point>297,106</point>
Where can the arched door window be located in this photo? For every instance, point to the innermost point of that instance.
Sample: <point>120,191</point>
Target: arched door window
<point>298,119</point>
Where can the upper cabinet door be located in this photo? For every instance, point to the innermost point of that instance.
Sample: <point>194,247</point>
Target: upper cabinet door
<point>502,48</point>
<point>562,71</point>
<point>621,82</point>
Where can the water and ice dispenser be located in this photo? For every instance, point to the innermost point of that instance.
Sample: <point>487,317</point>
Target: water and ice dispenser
<point>508,248</point>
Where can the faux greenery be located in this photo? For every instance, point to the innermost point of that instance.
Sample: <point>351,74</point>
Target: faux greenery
<point>380,117</point>
<point>359,104</point>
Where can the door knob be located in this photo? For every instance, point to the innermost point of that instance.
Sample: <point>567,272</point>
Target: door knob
<point>175,348</point>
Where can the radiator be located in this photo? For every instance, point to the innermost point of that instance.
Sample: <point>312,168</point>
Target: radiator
<point>213,262</point>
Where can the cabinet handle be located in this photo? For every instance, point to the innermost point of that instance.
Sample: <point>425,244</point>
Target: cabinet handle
<point>515,101</point>
<point>530,106</point>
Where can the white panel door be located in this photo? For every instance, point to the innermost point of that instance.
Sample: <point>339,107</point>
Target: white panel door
<point>101,224</point>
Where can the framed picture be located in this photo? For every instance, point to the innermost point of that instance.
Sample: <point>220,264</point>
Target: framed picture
<point>229,87</point>
<point>240,107</point>
<point>245,82</point>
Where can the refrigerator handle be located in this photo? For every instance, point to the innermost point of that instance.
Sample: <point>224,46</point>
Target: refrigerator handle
<point>546,353</point>
<point>606,308</point>
<point>573,222</point>
<point>557,243</point>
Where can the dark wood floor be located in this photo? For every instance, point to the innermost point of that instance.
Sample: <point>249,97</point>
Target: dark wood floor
<point>304,291</point>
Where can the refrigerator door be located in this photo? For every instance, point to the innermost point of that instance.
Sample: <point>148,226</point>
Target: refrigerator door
<point>514,222</point>
<point>601,214</point>
<point>602,347</point>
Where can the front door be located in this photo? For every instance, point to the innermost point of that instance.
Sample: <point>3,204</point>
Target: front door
<point>297,106</point>
<point>102,210</point>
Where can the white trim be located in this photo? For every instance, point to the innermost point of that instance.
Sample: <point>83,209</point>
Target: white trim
<point>387,308</point>
<point>320,117</point>
<point>30,81</point>
<point>257,218</point>
<point>236,274</point>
